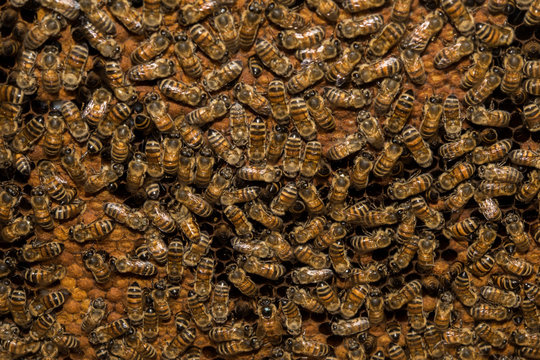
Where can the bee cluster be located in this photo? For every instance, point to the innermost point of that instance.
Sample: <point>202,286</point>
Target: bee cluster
<point>281,179</point>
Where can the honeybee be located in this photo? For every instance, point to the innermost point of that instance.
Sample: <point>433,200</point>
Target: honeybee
<point>220,77</point>
<point>366,73</point>
<point>50,26</point>
<point>339,70</point>
<point>38,251</point>
<point>319,112</point>
<point>360,172</point>
<point>94,315</point>
<point>481,116</point>
<point>124,12</point>
<point>97,262</point>
<point>96,230</point>
<point>486,154</point>
<point>306,77</point>
<point>278,101</point>
<point>352,144</point>
<point>304,299</point>
<point>389,36</point>
<point>354,6</point>
<point>530,314</point>
<point>26,79</point>
<point>375,307</point>
<point>355,98</point>
<point>252,18</point>
<point>417,146</point>
<point>326,9</point>
<point>107,332</point>
<point>424,32</point>
<point>48,302</point>
<point>398,118</point>
<point>455,336</point>
<point>404,295</point>
<point>480,92</point>
<point>486,312</point>
<point>481,61</point>
<point>292,40</point>
<point>155,69</point>
<point>30,133</point>
<point>151,48</point>
<point>185,53</point>
<point>310,230</point>
<point>500,297</point>
<point>307,275</point>
<point>529,188</point>
<point>135,266</point>
<point>350,327</point>
<point>213,47</point>
<point>268,326</point>
<point>414,66</point>
<point>432,218</point>
<point>524,157</point>
<point>493,36</point>
<point>353,28</point>
<point>248,95</point>
<point>238,346</point>
<point>107,47</point>
<point>283,17</point>
<point>453,53</point>
<point>388,90</point>
<point>531,116</point>
<point>219,182</point>
<point>20,346</point>
<point>302,346</point>
<point>215,109</point>
<point>513,265</point>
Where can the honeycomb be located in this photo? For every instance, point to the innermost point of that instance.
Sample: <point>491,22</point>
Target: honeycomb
<point>436,278</point>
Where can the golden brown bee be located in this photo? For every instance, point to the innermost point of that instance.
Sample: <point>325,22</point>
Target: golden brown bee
<point>26,79</point>
<point>151,48</point>
<point>293,318</point>
<point>215,109</point>
<point>388,90</point>
<point>453,53</point>
<point>291,155</point>
<point>481,61</point>
<point>304,299</point>
<point>321,114</point>
<point>302,120</point>
<point>396,352</point>
<point>48,302</point>
<point>433,340</point>
<point>360,172</point>
<point>530,314</point>
<point>432,218</point>
<point>355,98</point>
<point>480,92</point>
<point>532,86</point>
<point>235,347</point>
<point>389,36</point>
<point>11,94</point>
<point>456,336</point>
<point>255,66</point>
<point>224,25</point>
<point>500,297</point>
<point>493,36</point>
<point>460,196</point>
<point>415,313</point>
<point>134,303</point>
<point>353,28</point>
<point>415,344</point>
<point>481,116</point>
<point>219,182</point>
<point>513,64</point>
<point>76,126</point>
<point>404,295</point>
<point>309,195</point>
<point>531,116</point>
<point>155,69</point>
<point>529,188</point>
<point>238,277</point>
<point>237,331</point>
<point>375,306</point>
<point>352,300</point>
<point>239,220</point>
<point>159,216</point>
<point>366,73</point>
<point>195,203</point>
<point>452,117</point>
<point>135,266</point>
<point>486,154</point>
<point>238,125</point>
<point>96,109</point>
<point>94,315</point>
<point>307,255</point>
<point>284,17</point>
<point>28,135</point>
<point>327,50</point>
<point>292,40</point>
<point>310,230</point>
<point>459,15</point>
<point>284,199</point>
<point>350,327</point>
<point>242,195</point>
<point>278,101</point>
<point>513,265</point>
<point>191,13</point>
<point>248,95</point>
<point>107,47</point>
<point>50,26</point>
<point>458,148</point>
<point>463,289</point>
<point>486,237</point>
<point>524,157</point>
<point>158,111</point>
<point>97,263</point>
<point>203,278</point>
<point>424,32</point>
<point>388,158</point>
<point>96,230</point>
<point>277,243</point>
<point>45,275</point>
<point>220,77</point>
<point>414,66</point>
<point>126,14</point>
<point>39,251</point>
<point>252,18</point>
<point>339,188</point>
<point>495,188</point>
<point>352,144</point>
<point>457,174</point>
<point>417,146</point>
<point>107,332</point>
<point>525,338</point>
<point>40,206</point>
<point>53,138</point>
<point>532,16</point>
<point>306,77</point>
<point>339,71</point>
<point>326,9</point>
<point>268,270</point>
<point>106,176</point>
<point>220,302</point>
<point>185,53</point>
<point>486,311</point>
<point>150,323</point>
<point>268,326</point>
<point>354,6</point>
<point>100,19</point>
<point>510,282</point>
<point>401,113</point>
<point>16,229</point>
<point>213,47</point>
<point>18,307</point>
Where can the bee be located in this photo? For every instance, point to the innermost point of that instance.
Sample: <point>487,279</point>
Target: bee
<point>483,90</point>
<point>326,9</point>
<point>362,26</point>
<point>404,295</point>
<point>195,203</point>
<point>339,71</point>
<point>486,154</point>
<point>159,217</point>
<point>339,188</point>
<point>388,90</point>
<point>106,176</point>
<point>525,338</point>
<point>309,195</point>
<point>513,65</point>
<point>194,12</point>
<point>529,188</point>
<point>219,182</point>
<point>307,255</point>
<point>459,16</point>
<point>106,46</point>
<point>415,312</point>
<point>40,207</point>
<point>306,77</point>
<point>302,346</point>
<point>389,36</point>
<point>460,196</point>
<point>293,318</point>
<point>387,160</point>
<point>11,94</point>
<point>350,327</point>
<point>530,314</point>
<point>49,351</point>
<point>238,277</point>
<point>310,230</point>
<point>355,98</point>
<point>486,312</point>
<point>415,344</point>
<point>532,86</point>
<point>126,14</point>
<point>17,301</point>
<point>117,348</point>
<point>21,346</point>
<point>417,146</point>
<point>493,35</point>
<point>321,114</point>
<point>220,77</point>
<point>53,138</point>
<point>501,297</point>
<point>481,61</point>
<point>239,220</point>
<point>352,144</point>
<point>75,124</point>
<point>375,307</point>
<point>213,47</point>
<point>224,25</point>
<point>179,344</point>
<point>396,352</point>
<point>400,114</point>
<point>158,111</point>
<point>393,329</point>
<point>215,109</point>
<point>432,218</point>
<point>291,156</point>
<point>513,265</point>
<point>304,299</point>
<point>151,48</point>
<point>50,26</point>
<point>308,38</point>
<point>96,230</point>
<point>48,302</point>
<point>252,18</point>
<point>424,32</point>
<point>26,79</point>
<point>94,315</point>
<point>360,172</point>
<point>483,266</point>
<point>45,275</point>
<point>366,73</point>
<point>531,116</point>
<point>97,262</point>
<point>338,257</point>
<point>452,54</point>
<point>268,270</point>
<point>285,199</point>
<point>480,116</point>
<point>238,346</point>
<point>267,174</point>
<point>238,331</point>
<point>248,95</point>
<point>96,109</point>
<point>28,135</point>
<point>107,332</point>
<point>458,148</point>
<point>160,299</point>
<point>135,266</point>
<point>134,303</point>
<point>524,157</point>
<point>456,336</point>
<point>41,251</point>
<point>405,230</point>
<point>155,69</point>
<point>284,18</point>
<point>433,340</point>
<point>185,53</point>
<point>243,195</point>
<point>220,302</point>
<point>354,6</point>
<point>69,9</point>
<point>151,15</point>
<point>100,19</point>
<point>198,311</point>
<point>203,278</point>
<point>414,66</point>
<point>18,228</point>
